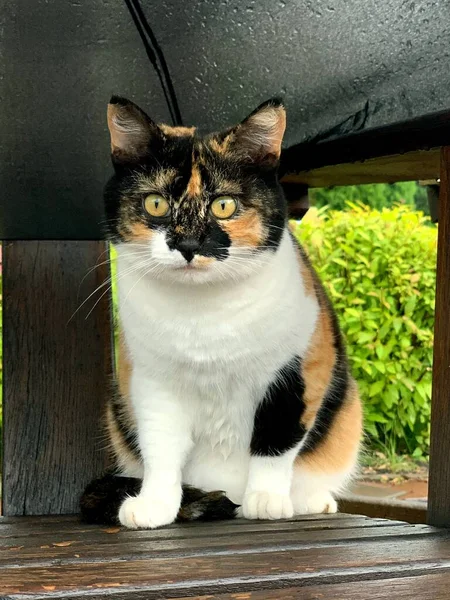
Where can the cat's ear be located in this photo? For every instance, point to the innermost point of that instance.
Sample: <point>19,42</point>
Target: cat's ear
<point>258,138</point>
<point>131,130</point>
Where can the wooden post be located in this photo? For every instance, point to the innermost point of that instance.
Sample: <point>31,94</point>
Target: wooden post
<point>439,483</point>
<point>56,373</point>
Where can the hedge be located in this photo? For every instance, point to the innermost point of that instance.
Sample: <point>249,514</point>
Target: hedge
<point>379,269</point>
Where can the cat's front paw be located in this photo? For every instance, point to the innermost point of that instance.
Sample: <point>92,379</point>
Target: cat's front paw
<point>146,512</point>
<point>320,503</point>
<point>267,505</point>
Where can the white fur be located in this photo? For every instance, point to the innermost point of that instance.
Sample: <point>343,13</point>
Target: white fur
<point>205,344</point>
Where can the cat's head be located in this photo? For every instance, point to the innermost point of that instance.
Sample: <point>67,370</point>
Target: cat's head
<point>193,208</point>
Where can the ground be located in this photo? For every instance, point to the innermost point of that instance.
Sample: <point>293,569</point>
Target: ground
<point>398,477</point>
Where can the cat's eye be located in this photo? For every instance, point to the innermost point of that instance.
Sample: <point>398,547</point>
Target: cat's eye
<point>156,206</point>
<point>224,207</point>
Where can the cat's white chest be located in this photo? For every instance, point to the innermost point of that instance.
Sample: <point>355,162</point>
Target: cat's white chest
<point>220,456</point>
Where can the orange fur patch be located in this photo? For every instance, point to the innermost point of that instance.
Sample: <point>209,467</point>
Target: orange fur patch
<point>317,367</point>
<point>177,131</point>
<point>159,181</point>
<point>137,232</point>
<point>194,186</point>
<point>246,230</point>
<point>163,178</point>
<point>202,261</point>
<point>220,147</point>
<point>338,450</point>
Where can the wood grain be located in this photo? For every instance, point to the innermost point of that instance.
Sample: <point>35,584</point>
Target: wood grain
<point>104,547</point>
<point>439,481</point>
<point>56,374</point>
<point>420,164</point>
<point>411,512</point>
<point>193,530</point>
<point>424,587</point>
<point>233,569</point>
<point>244,559</point>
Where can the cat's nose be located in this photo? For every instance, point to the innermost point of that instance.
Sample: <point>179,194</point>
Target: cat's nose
<point>188,247</point>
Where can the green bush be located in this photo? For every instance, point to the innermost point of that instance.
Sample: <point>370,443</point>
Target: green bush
<point>377,195</point>
<point>379,269</point>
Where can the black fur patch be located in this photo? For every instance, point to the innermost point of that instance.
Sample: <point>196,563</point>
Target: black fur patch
<point>102,498</point>
<point>277,426</point>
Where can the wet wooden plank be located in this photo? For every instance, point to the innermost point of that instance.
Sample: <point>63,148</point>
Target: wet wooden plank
<point>56,374</point>
<point>439,483</point>
<point>56,527</point>
<point>390,508</point>
<point>230,571</point>
<point>115,545</point>
<point>423,587</point>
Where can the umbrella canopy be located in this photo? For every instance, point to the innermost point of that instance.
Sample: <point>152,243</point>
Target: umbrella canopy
<point>339,66</point>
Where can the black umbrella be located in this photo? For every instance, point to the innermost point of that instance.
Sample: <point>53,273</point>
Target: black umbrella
<point>341,66</point>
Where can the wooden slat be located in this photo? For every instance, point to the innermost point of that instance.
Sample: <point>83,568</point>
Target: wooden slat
<point>236,560</point>
<point>56,374</point>
<point>423,587</point>
<point>195,529</point>
<point>420,164</point>
<point>240,559</point>
<point>439,482</point>
<point>411,512</point>
<point>83,548</point>
<point>226,570</point>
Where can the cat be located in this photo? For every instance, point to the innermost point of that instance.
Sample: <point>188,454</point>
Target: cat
<point>233,379</point>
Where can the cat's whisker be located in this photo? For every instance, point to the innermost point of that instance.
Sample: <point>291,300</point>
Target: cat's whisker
<point>138,267</point>
<point>102,285</point>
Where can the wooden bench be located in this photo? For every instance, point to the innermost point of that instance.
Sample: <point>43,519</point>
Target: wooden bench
<point>334,557</point>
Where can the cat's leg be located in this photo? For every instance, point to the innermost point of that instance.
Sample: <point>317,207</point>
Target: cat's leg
<point>267,495</point>
<point>164,434</point>
<point>276,440</point>
<point>312,491</point>
<point>322,472</point>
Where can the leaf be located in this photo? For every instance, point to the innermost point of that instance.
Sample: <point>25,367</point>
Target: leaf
<point>111,530</point>
<point>379,366</point>
<point>365,337</point>
<point>340,262</point>
<point>62,544</point>
<point>381,351</point>
<point>371,429</point>
<point>410,304</point>
<point>376,388</point>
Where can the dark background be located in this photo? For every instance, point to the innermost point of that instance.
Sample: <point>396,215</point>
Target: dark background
<point>385,60</point>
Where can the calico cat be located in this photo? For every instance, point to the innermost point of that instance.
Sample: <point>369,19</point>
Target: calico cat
<point>233,372</point>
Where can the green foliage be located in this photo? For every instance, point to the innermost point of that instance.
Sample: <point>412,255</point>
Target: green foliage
<point>379,269</point>
<point>379,195</point>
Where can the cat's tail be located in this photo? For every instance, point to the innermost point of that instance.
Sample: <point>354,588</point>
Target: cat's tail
<point>102,498</point>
